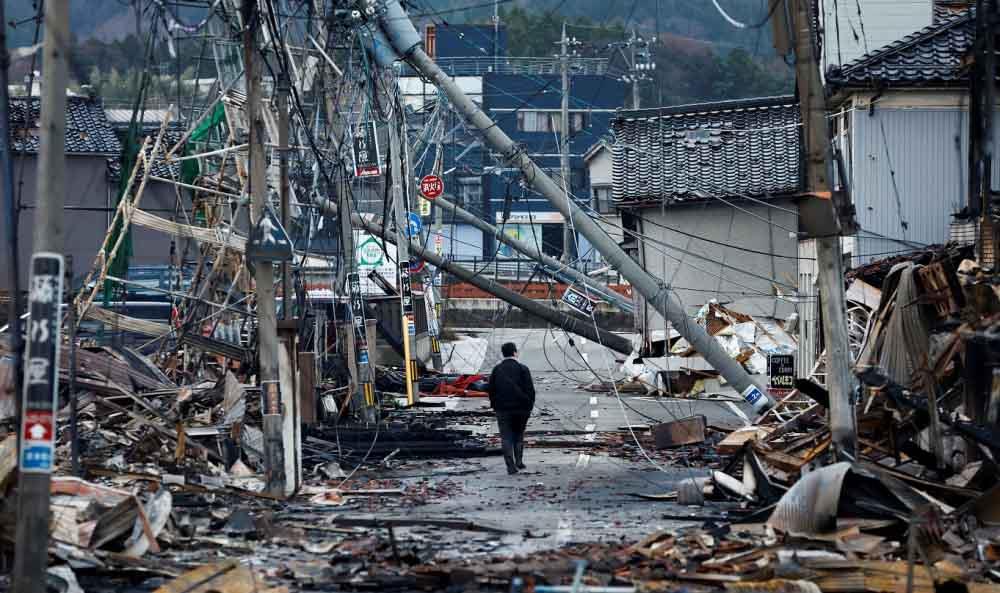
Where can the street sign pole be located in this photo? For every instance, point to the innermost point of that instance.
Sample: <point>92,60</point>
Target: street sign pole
<point>38,420</point>
<point>40,381</point>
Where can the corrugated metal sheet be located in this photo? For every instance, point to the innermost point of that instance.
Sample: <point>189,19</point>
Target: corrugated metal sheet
<point>926,157</point>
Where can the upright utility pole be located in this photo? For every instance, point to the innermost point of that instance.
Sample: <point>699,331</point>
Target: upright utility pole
<point>564,142</point>
<point>635,76</point>
<point>399,171</point>
<point>267,323</point>
<point>40,383</point>
<point>981,106</point>
<point>286,216</point>
<point>9,206</point>
<point>496,36</point>
<point>821,220</point>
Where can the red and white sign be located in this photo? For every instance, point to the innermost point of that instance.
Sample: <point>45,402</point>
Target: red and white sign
<point>431,187</point>
<point>38,426</point>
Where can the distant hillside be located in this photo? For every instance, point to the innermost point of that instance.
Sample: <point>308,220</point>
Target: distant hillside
<point>109,20</point>
<point>700,56</point>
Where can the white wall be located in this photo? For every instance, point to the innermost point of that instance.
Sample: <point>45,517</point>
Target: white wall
<point>705,255</point>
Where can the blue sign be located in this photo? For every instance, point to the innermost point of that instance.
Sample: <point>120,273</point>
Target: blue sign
<point>36,457</point>
<point>363,357</point>
<point>752,395</point>
<point>413,225</point>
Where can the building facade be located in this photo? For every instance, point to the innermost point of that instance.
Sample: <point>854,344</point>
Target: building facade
<point>707,195</point>
<point>523,96</point>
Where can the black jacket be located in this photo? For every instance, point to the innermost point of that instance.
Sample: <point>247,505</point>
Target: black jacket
<point>511,389</point>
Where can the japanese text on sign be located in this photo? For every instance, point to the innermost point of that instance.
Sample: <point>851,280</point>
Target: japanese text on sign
<point>367,161</point>
<point>781,370</point>
<point>41,363</point>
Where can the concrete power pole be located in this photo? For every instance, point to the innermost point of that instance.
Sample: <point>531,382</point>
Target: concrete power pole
<point>406,41</point>
<point>286,216</point>
<point>635,77</point>
<point>40,384</point>
<point>821,220</point>
<point>267,323</point>
<point>567,255</point>
<point>399,171</point>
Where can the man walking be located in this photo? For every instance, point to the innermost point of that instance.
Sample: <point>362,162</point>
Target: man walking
<point>512,396</point>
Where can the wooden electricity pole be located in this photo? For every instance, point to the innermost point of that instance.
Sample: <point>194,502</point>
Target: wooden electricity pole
<point>40,383</point>
<point>267,323</point>
<point>821,219</point>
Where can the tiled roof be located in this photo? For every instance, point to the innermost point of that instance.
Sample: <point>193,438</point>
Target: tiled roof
<point>160,168</point>
<point>933,56</point>
<point>693,152</point>
<point>87,128</point>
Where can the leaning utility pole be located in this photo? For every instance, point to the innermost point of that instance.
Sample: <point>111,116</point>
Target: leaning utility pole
<point>821,220</point>
<point>406,42</point>
<point>267,323</point>
<point>40,386</point>
<point>567,257</point>
<point>552,265</point>
<point>399,171</point>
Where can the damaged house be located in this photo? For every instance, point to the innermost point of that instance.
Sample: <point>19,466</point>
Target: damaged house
<point>901,124</point>
<point>712,187</point>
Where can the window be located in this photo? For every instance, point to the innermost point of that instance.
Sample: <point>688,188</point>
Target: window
<point>602,199</point>
<point>549,121</point>
<point>470,192</point>
<point>430,40</point>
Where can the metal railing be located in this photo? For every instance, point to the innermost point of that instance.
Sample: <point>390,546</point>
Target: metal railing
<point>521,270</point>
<point>480,65</point>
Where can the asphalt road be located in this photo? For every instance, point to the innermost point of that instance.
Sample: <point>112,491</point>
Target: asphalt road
<point>579,487</point>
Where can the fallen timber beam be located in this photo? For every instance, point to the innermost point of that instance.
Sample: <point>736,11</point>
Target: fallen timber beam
<point>397,27</point>
<point>578,326</point>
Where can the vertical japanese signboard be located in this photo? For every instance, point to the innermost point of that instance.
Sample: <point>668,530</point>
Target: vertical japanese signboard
<point>406,295</point>
<point>367,162</point>
<point>360,338</point>
<point>38,418</point>
<point>781,371</point>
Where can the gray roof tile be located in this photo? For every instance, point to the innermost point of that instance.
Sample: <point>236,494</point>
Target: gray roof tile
<point>87,127</point>
<point>694,152</point>
<point>933,56</point>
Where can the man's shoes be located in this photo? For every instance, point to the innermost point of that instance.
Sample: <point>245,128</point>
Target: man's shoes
<point>511,471</point>
<point>521,466</point>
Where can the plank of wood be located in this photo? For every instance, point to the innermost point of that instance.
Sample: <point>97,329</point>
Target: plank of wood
<point>223,577</point>
<point>735,440</point>
<point>686,431</point>
<point>8,458</point>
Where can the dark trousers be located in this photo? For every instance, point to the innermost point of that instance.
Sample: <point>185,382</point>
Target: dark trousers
<point>512,425</point>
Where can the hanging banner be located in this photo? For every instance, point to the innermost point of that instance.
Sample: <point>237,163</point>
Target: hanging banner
<point>367,160</point>
<point>41,384</point>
